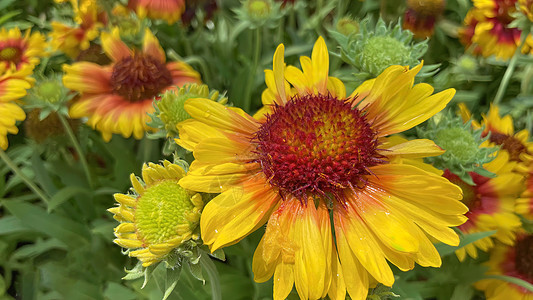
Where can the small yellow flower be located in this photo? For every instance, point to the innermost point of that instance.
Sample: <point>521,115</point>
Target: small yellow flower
<point>159,216</point>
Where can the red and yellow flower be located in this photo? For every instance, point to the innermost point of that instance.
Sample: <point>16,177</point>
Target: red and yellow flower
<point>421,15</point>
<point>116,98</point>
<point>19,54</point>
<point>526,6</point>
<point>72,40</point>
<point>492,33</point>
<point>491,204</point>
<point>168,10</point>
<point>515,261</point>
<point>315,153</point>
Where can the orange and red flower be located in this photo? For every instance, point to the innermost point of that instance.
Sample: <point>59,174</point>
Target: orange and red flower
<point>168,10</point>
<point>491,204</point>
<point>20,54</point>
<point>487,27</point>
<point>515,261</point>
<point>116,98</point>
<point>421,15</point>
<point>73,39</point>
<point>317,159</point>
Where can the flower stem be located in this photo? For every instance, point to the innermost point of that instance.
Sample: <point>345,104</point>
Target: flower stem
<point>11,164</point>
<point>510,69</point>
<point>78,149</point>
<point>257,52</point>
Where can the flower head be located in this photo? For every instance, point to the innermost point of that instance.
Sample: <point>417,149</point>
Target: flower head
<point>168,10</point>
<point>491,204</point>
<point>117,97</point>
<point>515,261</point>
<point>421,15</point>
<point>159,216</point>
<point>315,153</point>
<point>501,133</point>
<point>73,39</point>
<point>18,53</point>
<point>488,29</point>
<point>10,113</point>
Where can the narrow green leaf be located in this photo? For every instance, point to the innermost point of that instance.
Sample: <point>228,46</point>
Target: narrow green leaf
<point>11,224</point>
<point>173,275</point>
<point>465,240</point>
<point>5,3</point>
<point>117,291</point>
<point>65,194</point>
<point>71,233</point>
<point>33,250</point>
<point>212,273</point>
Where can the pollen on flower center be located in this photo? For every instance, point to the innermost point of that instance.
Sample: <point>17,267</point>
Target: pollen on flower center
<point>509,143</point>
<point>316,144</point>
<point>524,257</point>
<point>139,77</point>
<point>160,211</point>
<point>11,54</point>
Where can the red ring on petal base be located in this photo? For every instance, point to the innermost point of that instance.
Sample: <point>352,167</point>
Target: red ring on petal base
<point>316,144</point>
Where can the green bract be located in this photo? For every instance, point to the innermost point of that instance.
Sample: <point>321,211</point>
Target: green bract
<point>376,47</point>
<point>462,144</point>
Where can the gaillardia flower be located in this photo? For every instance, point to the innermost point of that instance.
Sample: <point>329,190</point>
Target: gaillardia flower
<point>515,261</point>
<point>421,15</point>
<point>168,10</point>
<point>491,204</point>
<point>526,6</point>
<point>159,216</point>
<point>10,113</point>
<point>71,40</point>
<point>502,133</point>
<point>524,204</point>
<point>116,98</point>
<point>20,54</point>
<point>317,153</point>
<point>492,34</point>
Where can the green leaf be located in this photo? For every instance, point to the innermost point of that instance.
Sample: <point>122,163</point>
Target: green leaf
<point>33,250</point>
<point>463,292</point>
<point>11,224</point>
<point>117,291</point>
<point>65,194</point>
<point>71,233</point>
<point>173,275</point>
<point>196,271</point>
<point>212,273</point>
<point>219,254</point>
<point>465,240</point>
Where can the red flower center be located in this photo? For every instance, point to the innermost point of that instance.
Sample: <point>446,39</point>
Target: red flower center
<point>316,144</point>
<point>524,257</point>
<point>509,143</point>
<point>11,54</point>
<point>140,77</point>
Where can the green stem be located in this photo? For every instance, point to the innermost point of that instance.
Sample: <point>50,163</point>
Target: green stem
<point>510,69</point>
<point>341,6</point>
<point>77,147</point>
<point>212,273</point>
<point>24,178</point>
<point>251,79</point>
<point>185,41</point>
<point>512,280</point>
<point>319,5</point>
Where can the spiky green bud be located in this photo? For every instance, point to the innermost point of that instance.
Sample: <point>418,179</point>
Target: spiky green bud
<point>462,144</point>
<point>259,13</point>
